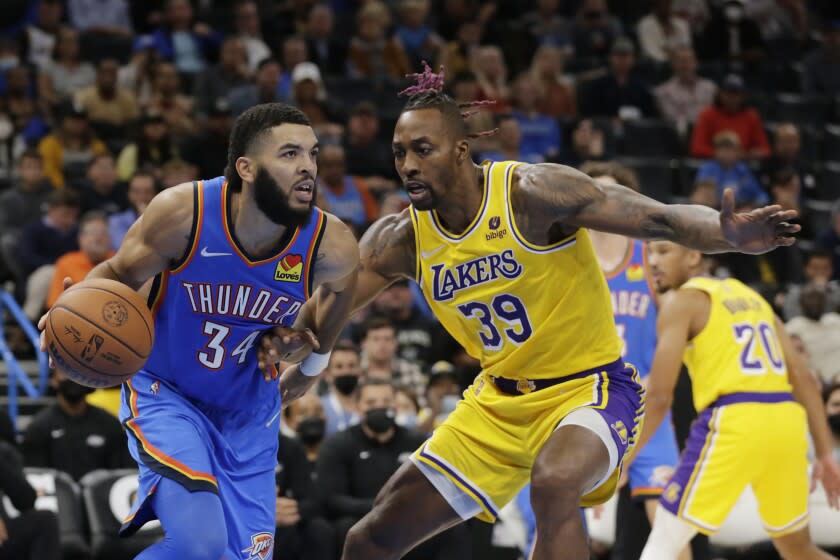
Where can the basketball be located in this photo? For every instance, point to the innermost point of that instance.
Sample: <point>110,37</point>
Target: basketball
<point>99,333</point>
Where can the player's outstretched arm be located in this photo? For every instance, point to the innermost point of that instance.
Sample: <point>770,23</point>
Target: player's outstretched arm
<point>388,254</point>
<point>159,238</point>
<point>806,391</point>
<point>325,314</point>
<point>557,193</point>
<point>673,325</point>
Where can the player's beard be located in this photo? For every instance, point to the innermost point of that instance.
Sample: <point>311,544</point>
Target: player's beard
<point>274,203</point>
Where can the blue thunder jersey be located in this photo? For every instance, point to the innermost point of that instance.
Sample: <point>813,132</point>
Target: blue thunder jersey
<point>211,307</point>
<point>634,307</point>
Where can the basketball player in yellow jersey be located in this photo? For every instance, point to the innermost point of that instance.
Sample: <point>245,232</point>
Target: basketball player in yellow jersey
<point>502,258</point>
<point>750,430</point>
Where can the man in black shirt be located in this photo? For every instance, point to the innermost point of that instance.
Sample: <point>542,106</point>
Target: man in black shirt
<point>73,436</point>
<point>33,533</point>
<point>102,191</point>
<point>354,465</point>
<point>301,531</point>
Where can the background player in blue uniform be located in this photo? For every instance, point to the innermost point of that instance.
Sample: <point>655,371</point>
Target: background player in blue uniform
<point>624,262</point>
<point>232,258</point>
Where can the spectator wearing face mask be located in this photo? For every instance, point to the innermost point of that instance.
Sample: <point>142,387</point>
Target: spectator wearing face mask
<point>442,395</point>
<point>301,531</point>
<point>73,436</point>
<point>342,376</point>
<point>354,464</point>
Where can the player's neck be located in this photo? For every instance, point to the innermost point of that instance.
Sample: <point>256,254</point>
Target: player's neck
<point>463,199</point>
<point>254,231</point>
<point>610,249</point>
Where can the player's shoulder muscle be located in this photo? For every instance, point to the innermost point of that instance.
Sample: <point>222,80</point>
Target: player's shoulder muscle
<point>388,248</point>
<point>338,253</point>
<point>167,223</point>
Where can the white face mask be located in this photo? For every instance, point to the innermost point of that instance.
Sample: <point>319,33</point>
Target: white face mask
<point>6,128</point>
<point>406,420</point>
<point>8,63</point>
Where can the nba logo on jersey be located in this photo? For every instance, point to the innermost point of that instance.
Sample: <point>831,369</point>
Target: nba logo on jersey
<point>289,269</point>
<point>621,430</point>
<point>672,492</point>
<point>261,546</point>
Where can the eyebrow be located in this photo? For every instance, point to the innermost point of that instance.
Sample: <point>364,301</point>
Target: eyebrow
<point>290,146</point>
<point>415,142</point>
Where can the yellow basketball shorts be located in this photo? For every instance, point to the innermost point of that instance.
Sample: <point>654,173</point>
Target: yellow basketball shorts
<point>482,455</point>
<point>752,441</point>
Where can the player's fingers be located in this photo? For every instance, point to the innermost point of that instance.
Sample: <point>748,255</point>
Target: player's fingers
<point>786,227</point>
<point>727,203</point>
<point>783,216</point>
<point>67,282</point>
<point>313,340</point>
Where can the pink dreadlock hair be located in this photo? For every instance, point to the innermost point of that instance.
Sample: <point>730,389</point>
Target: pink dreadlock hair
<point>428,93</point>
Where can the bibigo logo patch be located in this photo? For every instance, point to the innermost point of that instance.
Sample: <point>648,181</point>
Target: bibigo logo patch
<point>262,545</point>
<point>289,269</point>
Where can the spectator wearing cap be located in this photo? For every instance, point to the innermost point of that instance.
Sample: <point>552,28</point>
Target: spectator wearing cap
<point>730,112</point>
<point>685,95</point>
<point>266,88</point>
<point>619,93</point>
<point>310,96</point>
<point>187,44</point>
<point>247,27</point>
<point>367,155</point>
<point>104,101</point>
<point>326,50</point>
<point>346,196</point>
<point>728,171</point>
<point>68,150</point>
<point>731,36</point>
<point>787,154</point>
<point>442,395</point>
<point>65,73</point>
<point>206,149</point>
<point>142,188</point>
<point>42,242</point>
<point>822,66</point>
<point>661,32</point>
<point>137,76</point>
<point>220,79</point>
<point>169,102</point>
<point>152,148</point>
<point>372,53</point>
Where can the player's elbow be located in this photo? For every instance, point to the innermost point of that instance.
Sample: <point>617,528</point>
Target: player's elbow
<point>658,400</point>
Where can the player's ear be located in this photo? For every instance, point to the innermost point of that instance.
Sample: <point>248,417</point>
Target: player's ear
<point>462,151</point>
<point>246,168</point>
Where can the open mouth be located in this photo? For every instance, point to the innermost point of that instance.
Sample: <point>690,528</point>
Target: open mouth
<point>304,191</point>
<point>416,189</point>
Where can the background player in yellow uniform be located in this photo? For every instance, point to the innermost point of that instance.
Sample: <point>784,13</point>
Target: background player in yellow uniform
<point>503,260</point>
<point>746,379</point>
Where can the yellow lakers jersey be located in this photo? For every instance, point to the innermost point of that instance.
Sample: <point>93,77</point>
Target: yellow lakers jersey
<point>738,349</point>
<point>525,311</point>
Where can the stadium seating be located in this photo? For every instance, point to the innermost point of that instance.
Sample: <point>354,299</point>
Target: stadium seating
<point>649,138</point>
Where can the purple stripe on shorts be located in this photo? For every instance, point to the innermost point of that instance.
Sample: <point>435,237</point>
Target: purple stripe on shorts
<point>460,479</point>
<point>691,456</point>
<point>766,398</point>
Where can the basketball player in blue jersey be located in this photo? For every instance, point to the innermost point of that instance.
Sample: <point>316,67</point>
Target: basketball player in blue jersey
<point>624,262</point>
<point>232,258</point>
<point>503,259</point>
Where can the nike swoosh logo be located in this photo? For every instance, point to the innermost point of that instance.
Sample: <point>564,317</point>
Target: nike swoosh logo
<point>206,253</point>
<point>433,252</point>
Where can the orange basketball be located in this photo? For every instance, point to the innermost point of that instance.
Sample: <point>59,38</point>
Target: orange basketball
<point>99,333</point>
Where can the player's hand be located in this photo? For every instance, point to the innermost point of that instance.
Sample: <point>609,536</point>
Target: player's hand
<point>284,344</point>
<point>757,231</point>
<point>827,471</point>
<point>286,510</point>
<point>42,322</point>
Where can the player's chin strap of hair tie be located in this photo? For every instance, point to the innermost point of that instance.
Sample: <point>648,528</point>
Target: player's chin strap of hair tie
<point>314,364</point>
